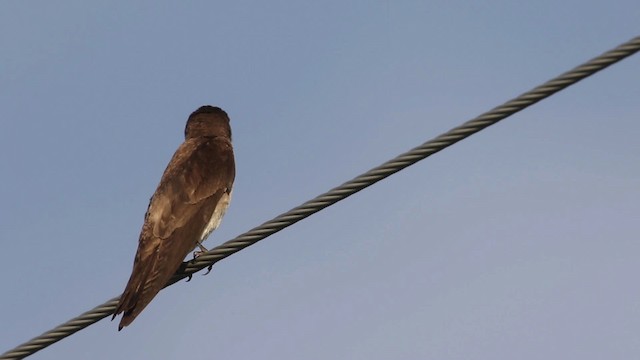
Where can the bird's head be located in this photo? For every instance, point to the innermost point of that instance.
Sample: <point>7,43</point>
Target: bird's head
<point>208,121</point>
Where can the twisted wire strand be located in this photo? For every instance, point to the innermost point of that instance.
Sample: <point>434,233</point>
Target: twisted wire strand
<point>343,191</point>
<point>410,157</point>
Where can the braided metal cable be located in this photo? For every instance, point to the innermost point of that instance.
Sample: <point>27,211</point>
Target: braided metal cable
<point>410,157</point>
<point>343,191</point>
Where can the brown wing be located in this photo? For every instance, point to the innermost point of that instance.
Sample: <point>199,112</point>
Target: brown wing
<point>200,172</point>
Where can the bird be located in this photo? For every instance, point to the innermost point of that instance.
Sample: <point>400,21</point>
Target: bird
<point>188,204</point>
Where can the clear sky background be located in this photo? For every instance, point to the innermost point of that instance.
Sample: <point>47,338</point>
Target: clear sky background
<point>521,242</point>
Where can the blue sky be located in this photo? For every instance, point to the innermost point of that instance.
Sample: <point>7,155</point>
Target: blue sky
<point>519,242</point>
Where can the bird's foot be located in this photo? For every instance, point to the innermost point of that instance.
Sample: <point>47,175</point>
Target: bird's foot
<point>199,252</point>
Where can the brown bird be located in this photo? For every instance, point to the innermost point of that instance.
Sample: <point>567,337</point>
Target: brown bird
<point>188,204</point>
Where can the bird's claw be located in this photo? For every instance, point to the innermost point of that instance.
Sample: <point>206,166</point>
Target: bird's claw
<point>208,270</point>
<point>189,277</point>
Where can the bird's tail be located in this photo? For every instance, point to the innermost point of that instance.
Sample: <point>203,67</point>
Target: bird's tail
<point>142,287</point>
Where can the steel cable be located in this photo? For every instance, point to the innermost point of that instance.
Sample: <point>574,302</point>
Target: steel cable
<point>343,191</point>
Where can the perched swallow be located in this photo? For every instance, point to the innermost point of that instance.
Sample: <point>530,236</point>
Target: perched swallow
<point>188,204</point>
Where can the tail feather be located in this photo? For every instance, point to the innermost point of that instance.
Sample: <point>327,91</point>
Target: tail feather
<point>138,294</point>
